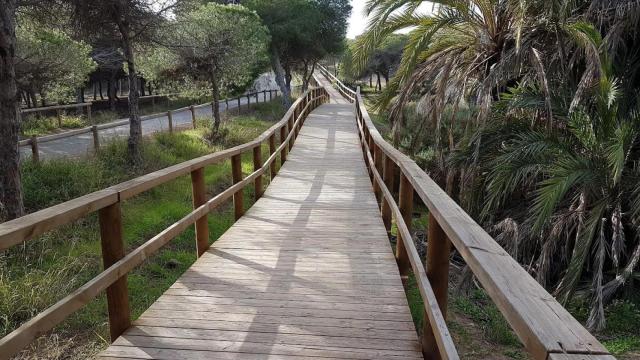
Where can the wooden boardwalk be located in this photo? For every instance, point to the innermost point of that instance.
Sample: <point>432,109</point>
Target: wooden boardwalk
<point>307,272</point>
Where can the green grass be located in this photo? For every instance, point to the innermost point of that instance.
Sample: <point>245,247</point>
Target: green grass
<point>35,275</point>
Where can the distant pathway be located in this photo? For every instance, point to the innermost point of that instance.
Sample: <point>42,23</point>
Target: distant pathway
<point>82,144</point>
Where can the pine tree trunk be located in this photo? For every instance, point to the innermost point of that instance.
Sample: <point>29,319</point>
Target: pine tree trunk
<point>135,125</point>
<point>279,73</point>
<point>214,105</point>
<point>11,205</point>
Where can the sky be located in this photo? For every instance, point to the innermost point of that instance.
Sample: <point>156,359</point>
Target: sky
<point>358,21</point>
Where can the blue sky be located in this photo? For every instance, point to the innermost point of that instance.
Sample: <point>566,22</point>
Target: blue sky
<point>358,21</point>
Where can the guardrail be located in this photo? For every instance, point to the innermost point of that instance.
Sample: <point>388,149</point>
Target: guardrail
<point>344,90</point>
<point>107,203</point>
<point>546,329</point>
<point>34,140</point>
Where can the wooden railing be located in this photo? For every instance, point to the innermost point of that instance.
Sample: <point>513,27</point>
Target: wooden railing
<point>107,203</point>
<point>344,90</point>
<point>34,141</point>
<point>546,329</point>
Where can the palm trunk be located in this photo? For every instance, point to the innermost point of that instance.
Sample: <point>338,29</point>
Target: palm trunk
<point>11,205</point>
<point>135,125</point>
<point>215,104</point>
<point>279,73</point>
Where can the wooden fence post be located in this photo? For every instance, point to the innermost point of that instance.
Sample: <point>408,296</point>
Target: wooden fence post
<point>270,95</point>
<point>34,149</point>
<point>170,118</point>
<point>377,162</point>
<point>239,105</point>
<point>283,152</point>
<point>193,116</point>
<point>437,266</point>
<point>264,95</point>
<point>272,150</point>
<point>226,101</point>
<point>96,138</point>
<point>257,164</point>
<point>199,191</point>
<point>110,219</point>
<point>388,181</point>
<point>290,126</point>
<point>406,208</point>
<point>248,103</point>
<point>59,115</point>
<point>257,97</point>
<point>89,117</point>
<point>238,197</point>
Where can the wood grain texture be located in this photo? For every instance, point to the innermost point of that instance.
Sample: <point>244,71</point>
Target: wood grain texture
<point>307,272</point>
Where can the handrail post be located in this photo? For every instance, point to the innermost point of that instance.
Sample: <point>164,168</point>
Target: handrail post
<point>238,197</point>
<point>406,208</point>
<point>257,164</point>
<point>272,150</point>
<point>388,178</point>
<point>377,161</point>
<point>35,152</point>
<point>110,219</point>
<point>193,116</point>
<point>199,192</point>
<point>283,152</point>
<point>239,105</point>
<point>96,138</point>
<point>437,266</point>
<point>170,117</point>
<point>291,129</point>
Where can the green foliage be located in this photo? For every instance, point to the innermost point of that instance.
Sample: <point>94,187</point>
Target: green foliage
<point>50,61</point>
<point>221,43</point>
<point>479,308</point>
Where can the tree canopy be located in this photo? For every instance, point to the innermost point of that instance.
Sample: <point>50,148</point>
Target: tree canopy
<point>50,61</point>
<point>218,44</point>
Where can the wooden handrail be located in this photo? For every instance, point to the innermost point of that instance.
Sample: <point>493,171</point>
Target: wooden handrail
<point>344,90</point>
<point>546,329</point>
<point>107,203</point>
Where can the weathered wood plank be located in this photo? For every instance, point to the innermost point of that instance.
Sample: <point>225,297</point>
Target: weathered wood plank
<point>307,271</point>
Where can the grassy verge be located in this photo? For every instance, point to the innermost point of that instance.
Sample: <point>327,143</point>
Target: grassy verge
<point>36,275</point>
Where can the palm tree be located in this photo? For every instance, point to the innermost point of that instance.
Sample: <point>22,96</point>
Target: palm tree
<point>549,157</point>
<point>581,178</point>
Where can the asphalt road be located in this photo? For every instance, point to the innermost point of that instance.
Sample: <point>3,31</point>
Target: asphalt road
<point>80,145</point>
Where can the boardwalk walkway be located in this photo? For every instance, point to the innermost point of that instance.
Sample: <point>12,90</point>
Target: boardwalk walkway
<point>308,272</point>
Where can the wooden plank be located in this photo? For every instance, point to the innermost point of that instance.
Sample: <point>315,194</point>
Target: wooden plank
<point>307,271</point>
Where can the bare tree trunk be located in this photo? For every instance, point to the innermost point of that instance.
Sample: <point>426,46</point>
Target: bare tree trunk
<point>215,90</point>
<point>135,125</point>
<point>11,205</point>
<point>306,78</point>
<point>142,87</point>
<point>279,73</point>
<point>112,93</point>
<point>100,88</point>
<point>378,84</point>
